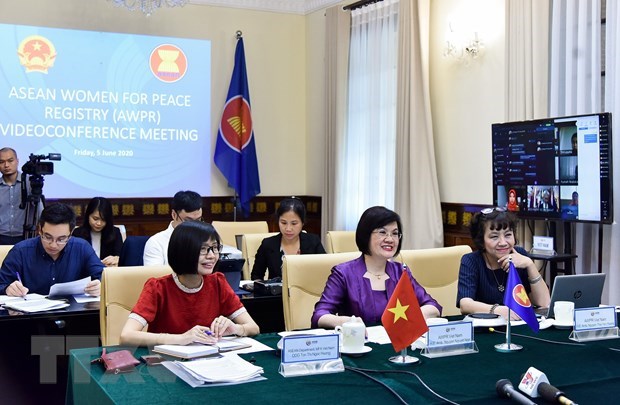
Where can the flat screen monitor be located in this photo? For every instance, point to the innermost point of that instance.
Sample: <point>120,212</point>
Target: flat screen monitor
<point>555,168</point>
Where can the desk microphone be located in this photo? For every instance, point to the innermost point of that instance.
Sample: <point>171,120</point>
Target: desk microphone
<point>536,384</point>
<point>506,390</point>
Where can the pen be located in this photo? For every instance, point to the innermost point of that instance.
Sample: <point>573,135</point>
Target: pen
<point>209,333</point>
<point>20,281</point>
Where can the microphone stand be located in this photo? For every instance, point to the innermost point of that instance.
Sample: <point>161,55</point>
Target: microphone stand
<point>508,347</point>
<point>403,358</point>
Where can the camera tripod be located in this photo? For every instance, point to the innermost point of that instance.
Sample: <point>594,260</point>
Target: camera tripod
<point>32,202</point>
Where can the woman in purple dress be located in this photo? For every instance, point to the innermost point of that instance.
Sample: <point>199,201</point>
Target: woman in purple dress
<point>362,287</point>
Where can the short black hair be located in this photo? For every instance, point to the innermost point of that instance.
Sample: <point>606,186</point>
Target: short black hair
<point>292,204</point>
<point>57,214</point>
<point>189,201</point>
<point>9,149</point>
<point>497,220</point>
<point>371,219</point>
<point>185,244</point>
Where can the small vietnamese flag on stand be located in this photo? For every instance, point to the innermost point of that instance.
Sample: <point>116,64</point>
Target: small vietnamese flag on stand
<point>402,319</point>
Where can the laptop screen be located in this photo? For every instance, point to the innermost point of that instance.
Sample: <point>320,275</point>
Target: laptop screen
<point>232,269</point>
<point>584,290</point>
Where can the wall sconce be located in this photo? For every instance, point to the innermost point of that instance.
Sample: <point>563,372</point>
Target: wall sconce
<point>462,48</point>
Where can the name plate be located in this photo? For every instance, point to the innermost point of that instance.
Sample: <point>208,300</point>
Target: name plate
<point>450,334</point>
<point>543,243</point>
<point>595,318</point>
<point>300,349</point>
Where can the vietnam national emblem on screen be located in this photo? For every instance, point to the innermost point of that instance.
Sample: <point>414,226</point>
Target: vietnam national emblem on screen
<point>36,54</point>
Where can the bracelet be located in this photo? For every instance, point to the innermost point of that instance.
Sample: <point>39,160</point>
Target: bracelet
<point>535,279</point>
<point>492,310</point>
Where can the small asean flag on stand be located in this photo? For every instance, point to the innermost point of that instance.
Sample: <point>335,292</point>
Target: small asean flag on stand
<point>517,300</point>
<point>402,319</point>
<point>235,149</point>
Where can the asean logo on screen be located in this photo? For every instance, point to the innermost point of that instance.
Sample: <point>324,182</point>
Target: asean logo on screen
<point>236,124</point>
<point>36,54</point>
<point>168,63</point>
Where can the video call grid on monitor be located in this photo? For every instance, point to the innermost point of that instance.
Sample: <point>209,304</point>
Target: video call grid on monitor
<point>555,168</point>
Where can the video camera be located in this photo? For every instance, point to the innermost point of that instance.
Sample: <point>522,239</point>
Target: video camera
<point>33,171</point>
<point>35,166</point>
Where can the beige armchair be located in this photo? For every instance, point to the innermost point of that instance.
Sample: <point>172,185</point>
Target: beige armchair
<point>303,282</point>
<point>249,246</point>
<point>340,241</point>
<point>229,230</point>
<point>4,250</point>
<point>437,270</point>
<point>120,289</point>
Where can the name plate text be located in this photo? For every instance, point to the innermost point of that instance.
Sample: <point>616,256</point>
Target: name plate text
<point>450,334</point>
<point>299,349</point>
<point>595,318</point>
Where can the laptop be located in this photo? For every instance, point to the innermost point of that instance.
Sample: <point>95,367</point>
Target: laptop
<point>232,269</point>
<point>585,290</point>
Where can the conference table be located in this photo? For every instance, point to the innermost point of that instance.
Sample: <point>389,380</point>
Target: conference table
<point>589,373</point>
<point>35,347</point>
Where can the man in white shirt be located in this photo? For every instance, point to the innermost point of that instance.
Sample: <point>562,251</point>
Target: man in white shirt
<point>186,206</point>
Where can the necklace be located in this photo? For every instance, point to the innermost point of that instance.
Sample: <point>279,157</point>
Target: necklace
<point>500,287</point>
<point>377,276</point>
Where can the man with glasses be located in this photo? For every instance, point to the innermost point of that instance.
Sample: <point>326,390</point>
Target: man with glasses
<point>186,206</point>
<point>35,264</point>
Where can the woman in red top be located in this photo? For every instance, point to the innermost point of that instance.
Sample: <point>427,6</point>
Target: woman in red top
<point>193,304</point>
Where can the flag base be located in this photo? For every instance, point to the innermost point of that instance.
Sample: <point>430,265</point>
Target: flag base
<point>508,347</point>
<point>403,358</point>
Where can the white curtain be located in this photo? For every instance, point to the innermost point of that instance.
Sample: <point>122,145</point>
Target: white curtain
<point>417,197</point>
<point>368,167</point>
<point>575,88</point>
<point>338,32</point>
<point>611,250</point>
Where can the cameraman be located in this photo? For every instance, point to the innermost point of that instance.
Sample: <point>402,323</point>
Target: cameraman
<point>11,216</point>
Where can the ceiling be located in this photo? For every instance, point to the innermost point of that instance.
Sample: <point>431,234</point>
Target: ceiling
<point>279,6</point>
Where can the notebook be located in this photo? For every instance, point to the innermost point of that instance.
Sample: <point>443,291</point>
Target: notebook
<point>186,351</point>
<point>584,290</point>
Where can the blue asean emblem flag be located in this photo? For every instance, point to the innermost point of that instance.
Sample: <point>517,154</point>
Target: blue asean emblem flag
<point>235,149</point>
<point>516,298</point>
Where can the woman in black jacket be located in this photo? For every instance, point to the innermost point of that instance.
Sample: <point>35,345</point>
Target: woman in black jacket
<point>291,215</point>
<point>98,229</point>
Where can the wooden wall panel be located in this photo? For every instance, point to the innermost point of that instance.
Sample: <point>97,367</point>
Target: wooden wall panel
<point>147,216</point>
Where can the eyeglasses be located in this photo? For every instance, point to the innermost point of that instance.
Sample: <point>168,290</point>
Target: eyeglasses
<point>487,211</point>
<point>384,234</point>
<point>215,249</point>
<point>49,239</point>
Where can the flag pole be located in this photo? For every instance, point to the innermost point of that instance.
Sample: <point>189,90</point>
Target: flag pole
<point>235,207</point>
<point>508,347</point>
<point>404,358</point>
